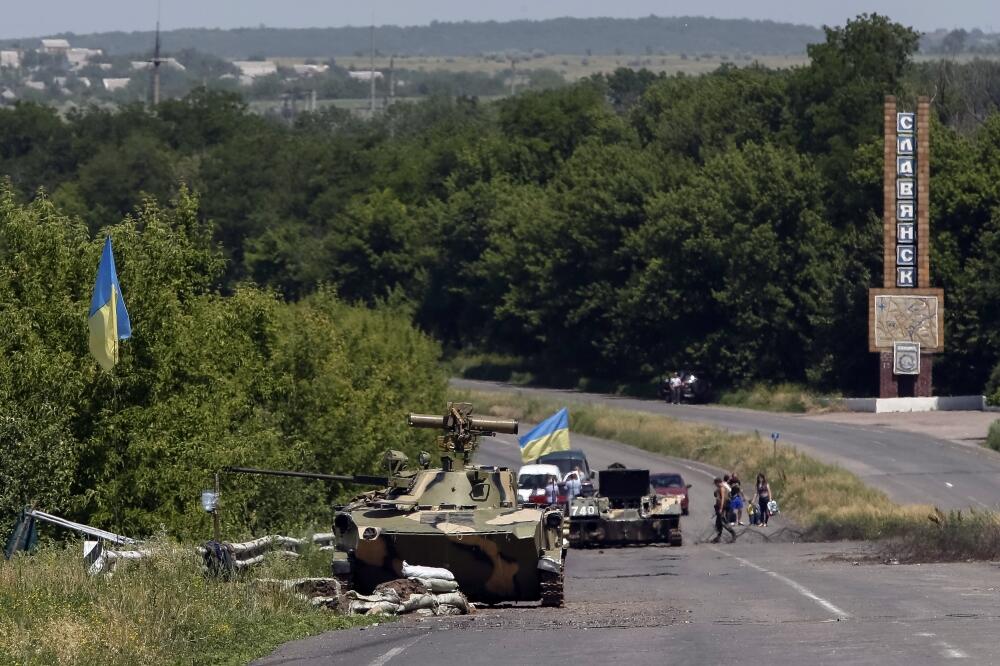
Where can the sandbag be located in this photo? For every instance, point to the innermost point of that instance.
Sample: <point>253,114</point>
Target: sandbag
<point>418,571</point>
<point>418,601</point>
<point>383,608</point>
<point>437,584</point>
<point>456,599</point>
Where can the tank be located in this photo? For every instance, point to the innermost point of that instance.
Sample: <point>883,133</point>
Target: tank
<point>459,516</point>
<point>625,511</point>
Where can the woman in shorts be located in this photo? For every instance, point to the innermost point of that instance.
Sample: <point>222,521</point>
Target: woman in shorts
<point>763,497</point>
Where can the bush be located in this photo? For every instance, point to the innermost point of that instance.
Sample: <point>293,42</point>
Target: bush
<point>779,398</point>
<point>207,380</point>
<point>993,436</point>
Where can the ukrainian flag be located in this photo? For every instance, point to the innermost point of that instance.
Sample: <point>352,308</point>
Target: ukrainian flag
<point>550,435</point>
<point>108,317</point>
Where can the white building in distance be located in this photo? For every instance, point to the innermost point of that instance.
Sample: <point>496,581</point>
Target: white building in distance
<point>55,46</point>
<point>255,68</point>
<point>78,57</point>
<point>112,85</point>
<point>10,59</point>
<point>365,75</point>
<point>309,70</point>
<point>140,65</point>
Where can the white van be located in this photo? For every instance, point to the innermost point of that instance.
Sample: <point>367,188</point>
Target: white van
<point>531,480</point>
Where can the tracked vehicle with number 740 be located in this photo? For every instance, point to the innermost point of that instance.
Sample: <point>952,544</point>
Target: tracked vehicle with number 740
<point>625,511</point>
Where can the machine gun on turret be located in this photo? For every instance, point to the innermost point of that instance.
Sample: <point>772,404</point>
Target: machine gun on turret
<point>462,430</point>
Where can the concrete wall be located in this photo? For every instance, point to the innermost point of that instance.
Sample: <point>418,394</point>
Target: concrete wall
<point>974,403</point>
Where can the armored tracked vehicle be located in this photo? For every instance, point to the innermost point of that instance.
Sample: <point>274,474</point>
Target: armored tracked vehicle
<point>624,511</point>
<point>459,516</point>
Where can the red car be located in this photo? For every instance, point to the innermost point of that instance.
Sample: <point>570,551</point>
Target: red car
<point>671,484</point>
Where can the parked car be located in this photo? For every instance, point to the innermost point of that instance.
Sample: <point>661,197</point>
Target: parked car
<point>671,484</point>
<point>568,461</point>
<point>531,482</point>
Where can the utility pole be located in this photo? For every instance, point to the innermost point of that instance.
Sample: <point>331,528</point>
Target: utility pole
<point>371,73</point>
<point>513,74</point>
<point>392,78</point>
<point>155,64</point>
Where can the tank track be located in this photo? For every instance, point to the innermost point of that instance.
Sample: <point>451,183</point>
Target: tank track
<point>552,589</point>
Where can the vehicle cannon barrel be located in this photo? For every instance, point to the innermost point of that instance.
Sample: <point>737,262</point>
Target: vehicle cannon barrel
<point>479,423</point>
<point>360,479</point>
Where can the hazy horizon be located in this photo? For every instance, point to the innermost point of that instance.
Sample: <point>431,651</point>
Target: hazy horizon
<point>25,21</point>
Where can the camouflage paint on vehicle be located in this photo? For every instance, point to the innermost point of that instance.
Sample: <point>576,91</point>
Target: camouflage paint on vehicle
<point>464,518</point>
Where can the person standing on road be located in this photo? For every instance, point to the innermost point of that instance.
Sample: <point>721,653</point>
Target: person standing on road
<point>763,497</point>
<point>552,490</point>
<point>675,388</point>
<point>730,516</point>
<point>721,519</point>
<point>736,497</point>
<point>573,485</point>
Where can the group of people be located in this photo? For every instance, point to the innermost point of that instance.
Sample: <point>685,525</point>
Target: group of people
<point>676,384</point>
<point>730,502</point>
<point>573,483</point>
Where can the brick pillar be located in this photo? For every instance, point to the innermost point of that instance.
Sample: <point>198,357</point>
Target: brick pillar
<point>887,387</point>
<point>889,197</point>
<point>925,384</point>
<point>923,193</point>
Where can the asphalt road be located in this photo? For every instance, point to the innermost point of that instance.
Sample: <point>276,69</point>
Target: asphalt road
<point>751,601</point>
<point>909,467</point>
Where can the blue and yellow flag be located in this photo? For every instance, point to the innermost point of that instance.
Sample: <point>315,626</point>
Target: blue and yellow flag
<point>550,435</point>
<point>108,317</point>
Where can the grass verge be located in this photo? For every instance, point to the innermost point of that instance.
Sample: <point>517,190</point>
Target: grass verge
<point>157,611</point>
<point>781,398</point>
<point>827,501</point>
<point>993,436</point>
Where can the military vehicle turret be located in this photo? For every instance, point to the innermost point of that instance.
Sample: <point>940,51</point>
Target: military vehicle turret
<point>624,511</point>
<point>459,516</point>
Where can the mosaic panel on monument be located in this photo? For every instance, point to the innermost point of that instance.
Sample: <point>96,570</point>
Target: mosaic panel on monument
<point>900,315</point>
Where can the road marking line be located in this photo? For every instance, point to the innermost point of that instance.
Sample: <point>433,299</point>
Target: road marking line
<point>798,587</point>
<point>950,485</point>
<point>950,651</point>
<point>396,651</point>
<point>985,506</point>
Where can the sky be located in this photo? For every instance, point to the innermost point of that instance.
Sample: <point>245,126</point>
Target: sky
<point>29,19</point>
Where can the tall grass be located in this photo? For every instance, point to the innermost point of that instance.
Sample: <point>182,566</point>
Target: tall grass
<point>157,611</point>
<point>780,398</point>
<point>825,500</point>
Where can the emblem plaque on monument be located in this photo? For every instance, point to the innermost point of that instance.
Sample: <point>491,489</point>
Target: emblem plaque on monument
<point>906,315</point>
<point>906,358</point>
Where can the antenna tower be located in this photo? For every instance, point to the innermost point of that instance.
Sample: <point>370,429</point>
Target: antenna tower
<point>371,74</point>
<point>155,66</point>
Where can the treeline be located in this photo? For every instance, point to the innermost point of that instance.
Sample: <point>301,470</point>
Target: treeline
<point>653,34</point>
<point>610,229</point>
<point>207,380</point>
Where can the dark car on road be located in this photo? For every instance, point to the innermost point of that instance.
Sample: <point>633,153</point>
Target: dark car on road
<point>671,484</point>
<point>567,461</point>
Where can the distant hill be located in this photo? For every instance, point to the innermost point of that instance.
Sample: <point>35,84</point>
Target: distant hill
<point>563,35</point>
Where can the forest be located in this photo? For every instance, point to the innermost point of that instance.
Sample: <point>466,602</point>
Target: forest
<point>563,35</point>
<point>610,229</point>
